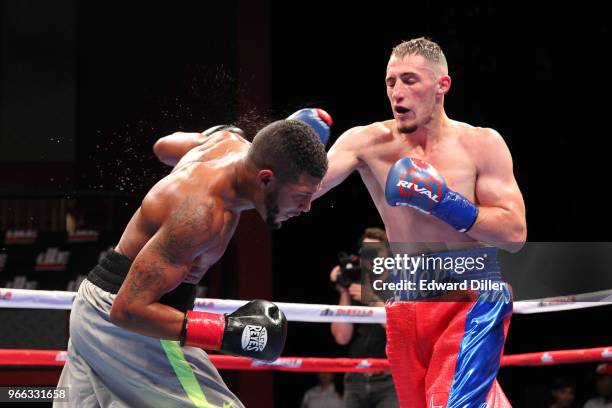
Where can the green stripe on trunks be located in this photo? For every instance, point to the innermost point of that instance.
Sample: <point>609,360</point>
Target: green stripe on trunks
<point>186,376</point>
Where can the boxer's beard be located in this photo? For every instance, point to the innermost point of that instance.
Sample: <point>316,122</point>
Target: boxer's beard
<point>408,129</point>
<point>272,210</point>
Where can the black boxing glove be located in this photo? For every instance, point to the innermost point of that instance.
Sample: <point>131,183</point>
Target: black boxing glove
<point>227,128</point>
<point>257,330</point>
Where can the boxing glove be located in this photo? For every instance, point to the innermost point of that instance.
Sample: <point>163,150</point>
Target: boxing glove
<point>319,120</point>
<point>257,330</point>
<point>418,184</point>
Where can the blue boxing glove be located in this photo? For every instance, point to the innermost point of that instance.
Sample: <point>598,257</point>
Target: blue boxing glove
<point>418,184</point>
<point>319,120</point>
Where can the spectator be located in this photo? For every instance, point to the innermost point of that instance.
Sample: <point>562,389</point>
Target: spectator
<point>363,390</point>
<point>562,393</point>
<point>323,395</point>
<point>604,388</point>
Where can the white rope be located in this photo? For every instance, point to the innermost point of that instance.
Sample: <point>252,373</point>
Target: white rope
<point>560,303</point>
<point>299,312</point>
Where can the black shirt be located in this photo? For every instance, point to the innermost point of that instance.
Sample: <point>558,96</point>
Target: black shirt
<point>369,340</point>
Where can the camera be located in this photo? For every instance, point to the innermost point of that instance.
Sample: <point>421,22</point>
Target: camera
<point>350,269</point>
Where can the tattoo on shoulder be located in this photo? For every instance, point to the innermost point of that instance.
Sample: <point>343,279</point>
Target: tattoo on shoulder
<point>184,226</point>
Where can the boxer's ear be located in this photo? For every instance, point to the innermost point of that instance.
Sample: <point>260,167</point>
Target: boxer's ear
<point>444,84</point>
<point>265,178</point>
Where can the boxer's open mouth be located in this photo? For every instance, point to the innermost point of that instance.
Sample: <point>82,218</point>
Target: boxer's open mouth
<point>401,110</point>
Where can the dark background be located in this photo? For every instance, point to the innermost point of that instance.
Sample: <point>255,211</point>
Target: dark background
<point>88,87</point>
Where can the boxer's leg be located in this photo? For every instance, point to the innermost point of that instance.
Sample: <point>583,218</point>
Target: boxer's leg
<point>465,358</point>
<point>139,370</point>
<point>408,366</point>
<point>77,378</point>
<point>198,377</point>
<point>441,325</point>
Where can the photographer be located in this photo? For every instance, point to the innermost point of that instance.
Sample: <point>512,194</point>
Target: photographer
<point>364,340</point>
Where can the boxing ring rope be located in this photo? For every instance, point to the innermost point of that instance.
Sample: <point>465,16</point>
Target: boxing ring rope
<point>299,312</point>
<point>55,358</point>
<point>39,299</point>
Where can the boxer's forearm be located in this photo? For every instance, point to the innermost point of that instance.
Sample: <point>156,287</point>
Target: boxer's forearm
<point>342,161</point>
<point>154,320</point>
<point>337,172</point>
<point>155,271</point>
<point>503,228</point>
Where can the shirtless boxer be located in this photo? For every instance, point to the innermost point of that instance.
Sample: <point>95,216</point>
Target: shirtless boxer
<point>133,313</point>
<point>442,187</point>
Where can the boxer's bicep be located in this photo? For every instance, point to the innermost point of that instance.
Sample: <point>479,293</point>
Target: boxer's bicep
<point>495,182</point>
<point>164,261</point>
<point>160,266</point>
<point>153,273</point>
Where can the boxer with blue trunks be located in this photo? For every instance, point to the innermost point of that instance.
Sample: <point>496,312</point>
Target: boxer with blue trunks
<point>441,187</point>
<point>452,331</point>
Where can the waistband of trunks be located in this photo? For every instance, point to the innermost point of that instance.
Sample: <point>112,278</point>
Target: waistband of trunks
<point>112,269</point>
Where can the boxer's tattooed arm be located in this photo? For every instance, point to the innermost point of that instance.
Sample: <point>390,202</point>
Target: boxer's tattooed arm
<point>165,263</point>
<point>162,265</point>
<point>183,232</point>
<point>148,276</point>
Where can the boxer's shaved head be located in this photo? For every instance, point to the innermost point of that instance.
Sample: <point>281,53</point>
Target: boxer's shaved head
<point>426,49</point>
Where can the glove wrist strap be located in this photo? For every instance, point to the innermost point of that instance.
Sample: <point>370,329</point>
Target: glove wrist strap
<point>204,330</point>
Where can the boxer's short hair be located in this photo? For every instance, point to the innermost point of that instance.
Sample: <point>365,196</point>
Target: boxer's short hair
<point>425,48</point>
<point>290,148</point>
